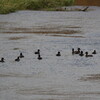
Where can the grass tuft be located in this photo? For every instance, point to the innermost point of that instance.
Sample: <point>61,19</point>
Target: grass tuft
<point>8,6</point>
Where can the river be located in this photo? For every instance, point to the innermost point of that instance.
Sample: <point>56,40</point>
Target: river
<point>68,77</point>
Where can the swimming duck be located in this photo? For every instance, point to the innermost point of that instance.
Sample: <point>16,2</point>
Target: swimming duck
<point>38,51</point>
<point>72,50</point>
<point>2,60</point>
<point>58,54</point>
<point>39,57</point>
<point>81,53</point>
<point>21,55</point>
<point>17,59</point>
<point>76,52</point>
<point>88,55</point>
<point>94,52</point>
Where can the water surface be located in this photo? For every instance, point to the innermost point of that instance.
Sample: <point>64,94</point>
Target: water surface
<point>69,77</point>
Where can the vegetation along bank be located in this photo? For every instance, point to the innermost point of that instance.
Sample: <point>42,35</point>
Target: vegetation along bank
<point>8,6</point>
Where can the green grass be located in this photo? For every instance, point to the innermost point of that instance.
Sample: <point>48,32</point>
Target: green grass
<point>8,6</point>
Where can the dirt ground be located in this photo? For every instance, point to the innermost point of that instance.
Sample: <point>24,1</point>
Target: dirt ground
<point>87,2</point>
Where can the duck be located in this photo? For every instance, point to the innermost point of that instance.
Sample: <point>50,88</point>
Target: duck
<point>38,51</point>
<point>58,54</point>
<point>2,60</point>
<point>94,52</point>
<point>88,55</point>
<point>21,55</point>
<point>76,52</point>
<point>39,57</point>
<point>81,53</point>
<point>17,59</point>
<point>72,51</point>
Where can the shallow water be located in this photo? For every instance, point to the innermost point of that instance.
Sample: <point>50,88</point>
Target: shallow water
<point>69,77</point>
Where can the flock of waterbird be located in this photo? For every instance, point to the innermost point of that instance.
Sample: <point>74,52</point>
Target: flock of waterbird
<point>22,56</point>
<point>78,51</point>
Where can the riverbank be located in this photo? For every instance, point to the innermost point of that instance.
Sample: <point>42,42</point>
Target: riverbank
<point>8,6</point>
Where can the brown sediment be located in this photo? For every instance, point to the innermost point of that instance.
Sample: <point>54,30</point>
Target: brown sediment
<point>47,32</point>
<point>42,28</point>
<point>73,27</point>
<point>57,27</point>
<point>34,28</point>
<point>15,75</point>
<point>91,77</point>
<point>5,22</point>
<point>16,38</point>
<point>19,29</point>
<point>66,36</point>
<point>53,92</point>
<point>15,48</point>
